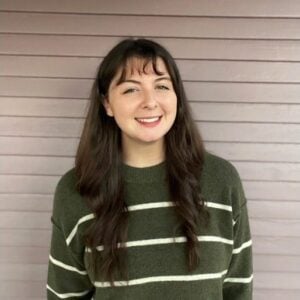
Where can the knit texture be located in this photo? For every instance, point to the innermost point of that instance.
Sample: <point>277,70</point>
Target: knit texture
<point>156,261</point>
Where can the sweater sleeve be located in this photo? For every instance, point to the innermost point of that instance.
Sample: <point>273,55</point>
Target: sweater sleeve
<point>67,276</point>
<point>238,282</point>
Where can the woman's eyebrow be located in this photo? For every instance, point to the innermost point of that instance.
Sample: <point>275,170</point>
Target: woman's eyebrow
<point>138,82</point>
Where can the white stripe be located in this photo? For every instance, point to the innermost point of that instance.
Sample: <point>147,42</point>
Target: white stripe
<point>65,266</point>
<point>151,205</point>
<point>219,206</point>
<point>234,222</point>
<point>81,220</point>
<point>181,239</point>
<point>239,280</point>
<point>163,279</point>
<point>67,295</point>
<point>244,245</point>
<point>141,207</point>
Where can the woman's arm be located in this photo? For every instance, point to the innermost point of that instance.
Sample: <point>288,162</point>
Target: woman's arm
<point>67,277</point>
<point>238,282</point>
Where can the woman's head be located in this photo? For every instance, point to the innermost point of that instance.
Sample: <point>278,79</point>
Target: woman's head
<point>158,93</point>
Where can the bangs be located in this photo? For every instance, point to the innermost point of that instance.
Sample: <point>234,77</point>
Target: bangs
<point>138,64</point>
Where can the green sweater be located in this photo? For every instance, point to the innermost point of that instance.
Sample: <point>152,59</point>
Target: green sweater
<point>156,262</point>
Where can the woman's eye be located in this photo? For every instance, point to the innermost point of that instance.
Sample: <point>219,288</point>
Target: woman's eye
<point>129,91</point>
<point>163,87</point>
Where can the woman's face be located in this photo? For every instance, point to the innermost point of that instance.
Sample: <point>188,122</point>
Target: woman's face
<point>144,105</point>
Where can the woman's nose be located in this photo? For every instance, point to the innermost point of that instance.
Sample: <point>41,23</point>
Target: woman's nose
<point>149,100</point>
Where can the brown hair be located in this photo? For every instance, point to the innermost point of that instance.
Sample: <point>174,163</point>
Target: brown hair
<point>99,159</point>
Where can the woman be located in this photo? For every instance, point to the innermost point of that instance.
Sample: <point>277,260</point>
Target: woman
<point>147,212</point>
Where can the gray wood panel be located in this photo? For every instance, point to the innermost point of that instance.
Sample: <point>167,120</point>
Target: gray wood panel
<point>41,146</point>
<point>276,294</point>
<point>85,68</point>
<point>256,8</point>
<point>26,202</point>
<point>70,45</point>
<point>282,209</point>
<point>37,238</point>
<point>163,26</point>
<point>25,290</point>
<point>259,152</point>
<point>23,254</point>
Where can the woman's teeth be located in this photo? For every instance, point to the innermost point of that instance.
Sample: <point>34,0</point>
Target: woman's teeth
<point>149,120</point>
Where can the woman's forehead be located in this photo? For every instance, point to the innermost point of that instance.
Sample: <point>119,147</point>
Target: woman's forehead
<point>139,66</point>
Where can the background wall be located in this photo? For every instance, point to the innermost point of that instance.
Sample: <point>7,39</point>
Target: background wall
<point>240,61</point>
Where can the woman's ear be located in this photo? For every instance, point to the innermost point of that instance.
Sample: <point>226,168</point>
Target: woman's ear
<point>107,106</point>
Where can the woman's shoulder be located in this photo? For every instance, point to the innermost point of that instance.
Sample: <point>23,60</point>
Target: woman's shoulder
<point>221,180</point>
<point>68,204</point>
<point>220,168</point>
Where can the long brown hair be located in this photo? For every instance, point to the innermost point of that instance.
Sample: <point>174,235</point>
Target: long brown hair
<point>98,164</point>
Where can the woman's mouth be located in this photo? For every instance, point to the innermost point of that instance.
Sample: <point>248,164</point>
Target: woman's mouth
<point>149,121</point>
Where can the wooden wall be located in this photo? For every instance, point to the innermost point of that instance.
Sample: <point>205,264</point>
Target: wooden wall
<point>240,61</point>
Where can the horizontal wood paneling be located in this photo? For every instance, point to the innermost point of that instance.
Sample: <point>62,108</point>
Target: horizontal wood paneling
<point>40,146</point>
<point>225,71</point>
<point>29,202</point>
<point>56,45</point>
<point>260,152</point>
<point>283,209</point>
<point>269,171</point>
<point>196,27</point>
<point>37,238</point>
<point>276,245</point>
<point>36,272</point>
<point>25,290</point>
<point>18,184</point>
<point>43,107</point>
<point>21,255</point>
<point>275,191</point>
<point>266,8</point>
<point>276,294</point>
<point>27,220</point>
<point>276,263</point>
<point>282,280</point>
<point>250,132</point>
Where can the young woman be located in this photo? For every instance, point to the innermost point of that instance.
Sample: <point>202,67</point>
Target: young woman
<point>147,212</point>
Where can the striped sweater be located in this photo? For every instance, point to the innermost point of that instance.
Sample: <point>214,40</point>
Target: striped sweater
<point>156,261</point>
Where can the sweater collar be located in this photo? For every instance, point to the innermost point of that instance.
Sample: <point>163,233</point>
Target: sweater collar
<point>153,173</point>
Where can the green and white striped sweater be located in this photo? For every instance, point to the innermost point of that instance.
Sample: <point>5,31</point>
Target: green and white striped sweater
<point>156,262</point>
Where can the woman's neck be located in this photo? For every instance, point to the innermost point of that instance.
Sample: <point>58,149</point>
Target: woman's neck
<point>143,155</point>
